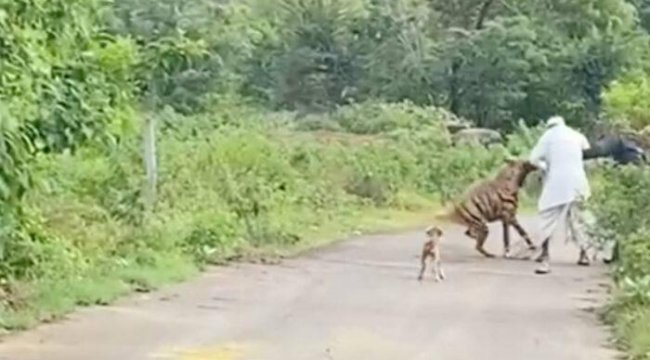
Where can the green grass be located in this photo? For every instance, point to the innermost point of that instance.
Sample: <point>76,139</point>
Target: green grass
<point>631,328</point>
<point>53,299</point>
<point>637,331</point>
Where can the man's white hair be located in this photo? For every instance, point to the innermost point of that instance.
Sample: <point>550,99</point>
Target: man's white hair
<point>555,120</point>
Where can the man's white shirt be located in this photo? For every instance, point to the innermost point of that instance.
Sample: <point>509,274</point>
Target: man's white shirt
<point>559,153</point>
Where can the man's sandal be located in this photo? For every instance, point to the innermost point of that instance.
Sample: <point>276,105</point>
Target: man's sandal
<point>543,269</point>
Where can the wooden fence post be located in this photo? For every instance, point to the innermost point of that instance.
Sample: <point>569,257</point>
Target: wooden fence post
<point>149,155</point>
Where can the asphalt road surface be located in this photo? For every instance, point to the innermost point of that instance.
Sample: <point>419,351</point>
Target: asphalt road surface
<point>357,300</point>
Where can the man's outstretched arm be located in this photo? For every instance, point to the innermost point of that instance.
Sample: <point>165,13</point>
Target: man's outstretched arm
<point>593,153</point>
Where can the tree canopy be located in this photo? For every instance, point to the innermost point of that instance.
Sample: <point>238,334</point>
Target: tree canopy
<point>78,71</point>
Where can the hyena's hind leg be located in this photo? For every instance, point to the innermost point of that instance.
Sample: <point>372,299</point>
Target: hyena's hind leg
<point>479,232</point>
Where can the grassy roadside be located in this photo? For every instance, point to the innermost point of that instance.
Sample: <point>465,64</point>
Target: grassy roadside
<point>57,298</point>
<point>631,327</point>
<point>51,299</point>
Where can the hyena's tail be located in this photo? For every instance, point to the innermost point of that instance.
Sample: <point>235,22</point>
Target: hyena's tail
<point>449,215</point>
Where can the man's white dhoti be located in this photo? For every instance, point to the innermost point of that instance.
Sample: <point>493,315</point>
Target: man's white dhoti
<point>566,220</point>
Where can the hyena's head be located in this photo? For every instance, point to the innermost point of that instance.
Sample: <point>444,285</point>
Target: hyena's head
<point>516,170</point>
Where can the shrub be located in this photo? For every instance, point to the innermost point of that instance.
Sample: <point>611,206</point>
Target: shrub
<point>621,202</point>
<point>626,101</point>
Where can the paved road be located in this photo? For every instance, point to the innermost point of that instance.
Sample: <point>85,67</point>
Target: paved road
<point>355,300</point>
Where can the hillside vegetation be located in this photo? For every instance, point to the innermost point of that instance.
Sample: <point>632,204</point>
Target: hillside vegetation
<point>279,124</point>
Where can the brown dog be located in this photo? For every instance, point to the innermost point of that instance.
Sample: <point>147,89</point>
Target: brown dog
<point>431,249</point>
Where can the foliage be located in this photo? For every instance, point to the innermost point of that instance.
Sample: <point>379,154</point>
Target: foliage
<point>315,67</point>
<point>484,60</point>
<point>643,10</point>
<point>189,49</point>
<point>280,119</point>
<point>63,80</point>
<point>374,117</point>
<point>620,200</point>
<point>626,101</point>
<point>634,327</point>
<point>64,84</point>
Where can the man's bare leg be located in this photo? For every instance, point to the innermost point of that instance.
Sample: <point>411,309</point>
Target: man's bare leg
<point>543,259</point>
<point>544,254</point>
<point>583,260</point>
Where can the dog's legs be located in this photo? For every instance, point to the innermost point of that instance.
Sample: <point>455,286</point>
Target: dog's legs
<point>440,275</point>
<point>434,269</point>
<point>423,262</point>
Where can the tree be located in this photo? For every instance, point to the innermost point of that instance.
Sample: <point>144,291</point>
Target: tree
<point>314,67</point>
<point>399,47</point>
<point>220,30</point>
<point>528,59</point>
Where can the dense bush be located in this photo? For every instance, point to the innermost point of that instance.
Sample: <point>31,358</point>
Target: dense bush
<point>626,101</point>
<point>621,203</point>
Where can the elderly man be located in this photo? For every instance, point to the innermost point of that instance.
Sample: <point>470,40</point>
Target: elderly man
<point>559,154</point>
